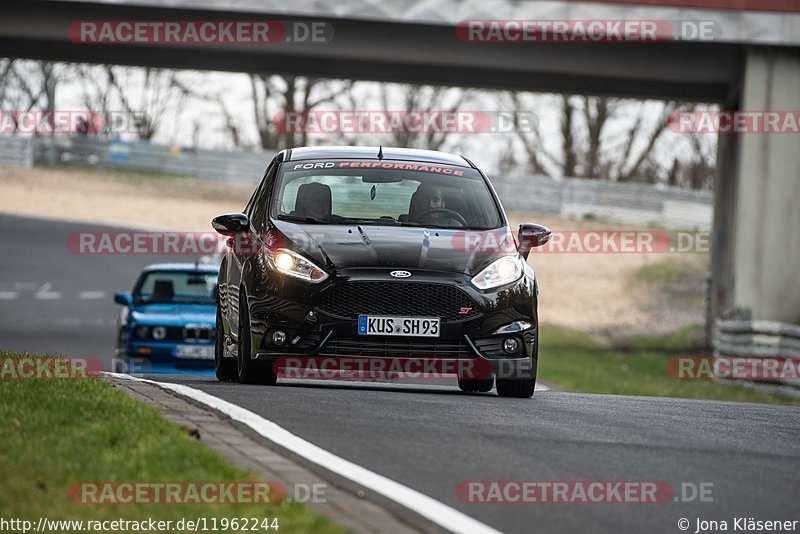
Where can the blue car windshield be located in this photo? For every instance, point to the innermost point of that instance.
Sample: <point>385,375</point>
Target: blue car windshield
<point>177,287</point>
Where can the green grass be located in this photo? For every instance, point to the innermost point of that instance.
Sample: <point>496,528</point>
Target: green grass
<point>55,433</point>
<point>688,340</point>
<point>573,361</point>
<point>660,273</point>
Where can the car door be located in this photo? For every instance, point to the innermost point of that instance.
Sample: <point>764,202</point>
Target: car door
<point>237,257</point>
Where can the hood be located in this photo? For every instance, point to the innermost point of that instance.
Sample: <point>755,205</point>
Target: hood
<point>174,314</point>
<point>400,247</point>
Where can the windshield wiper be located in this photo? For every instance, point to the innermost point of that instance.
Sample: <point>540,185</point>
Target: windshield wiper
<point>392,222</point>
<point>438,226</point>
<point>307,219</point>
<point>355,220</point>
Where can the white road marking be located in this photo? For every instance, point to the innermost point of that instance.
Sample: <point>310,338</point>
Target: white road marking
<point>77,321</point>
<point>91,295</point>
<point>48,295</point>
<point>429,508</point>
<point>44,293</point>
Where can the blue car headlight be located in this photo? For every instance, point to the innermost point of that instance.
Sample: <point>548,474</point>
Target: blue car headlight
<point>143,331</point>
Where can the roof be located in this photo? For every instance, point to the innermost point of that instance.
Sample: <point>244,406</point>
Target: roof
<point>371,152</point>
<point>199,267</point>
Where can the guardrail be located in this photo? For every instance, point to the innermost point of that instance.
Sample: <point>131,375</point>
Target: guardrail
<point>772,342</point>
<point>16,151</point>
<point>634,203</point>
<point>149,157</point>
<point>140,156</point>
<point>568,197</point>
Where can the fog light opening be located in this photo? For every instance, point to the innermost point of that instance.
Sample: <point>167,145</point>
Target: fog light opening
<point>511,345</point>
<point>279,337</point>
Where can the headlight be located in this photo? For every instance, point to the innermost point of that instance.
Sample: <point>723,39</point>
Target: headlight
<point>503,271</point>
<point>142,332</point>
<point>293,264</point>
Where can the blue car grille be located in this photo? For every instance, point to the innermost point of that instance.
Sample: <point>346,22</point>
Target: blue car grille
<point>181,333</point>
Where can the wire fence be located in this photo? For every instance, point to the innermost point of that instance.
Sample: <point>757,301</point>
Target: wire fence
<point>222,165</point>
<point>570,197</point>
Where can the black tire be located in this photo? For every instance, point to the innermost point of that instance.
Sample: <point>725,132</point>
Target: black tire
<point>481,385</point>
<point>249,371</point>
<point>118,366</point>
<point>225,368</point>
<point>521,388</point>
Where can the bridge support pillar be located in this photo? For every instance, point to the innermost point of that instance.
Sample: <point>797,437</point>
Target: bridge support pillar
<point>756,258</point>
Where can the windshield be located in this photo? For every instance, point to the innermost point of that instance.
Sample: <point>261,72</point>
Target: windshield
<point>182,287</point>
<point>385,194</point>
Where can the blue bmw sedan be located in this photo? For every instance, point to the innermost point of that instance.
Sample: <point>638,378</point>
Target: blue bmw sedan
<point>167,323</point>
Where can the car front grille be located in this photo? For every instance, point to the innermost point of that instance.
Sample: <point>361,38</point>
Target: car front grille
<point>395,348</point>
<point>419,299</point>
<point>174,333</point>
<point>188,333</point>
<point>194,333</point>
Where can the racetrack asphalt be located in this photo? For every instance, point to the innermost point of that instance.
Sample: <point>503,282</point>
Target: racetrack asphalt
<point>432,438</point>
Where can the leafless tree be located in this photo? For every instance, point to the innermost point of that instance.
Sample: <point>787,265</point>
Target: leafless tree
<point>695,170</point>
<point>274,94</point>
<point>28,85</point>
<point>6,66</point>
<point>428,101</point>
<point>598,138</point>
<point>144,94</point>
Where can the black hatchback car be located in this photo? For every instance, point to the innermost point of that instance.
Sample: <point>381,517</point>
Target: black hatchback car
<point>361,254</point>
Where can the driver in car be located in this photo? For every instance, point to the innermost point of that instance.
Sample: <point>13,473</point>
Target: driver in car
<point>429,205</point>
<point>313,200</point>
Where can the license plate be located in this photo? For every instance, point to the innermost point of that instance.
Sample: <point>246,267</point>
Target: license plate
<point>381,325</point>
<point>192,352</point>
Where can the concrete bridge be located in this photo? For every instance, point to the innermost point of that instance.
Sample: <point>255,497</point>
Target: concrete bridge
<point>749,60</point>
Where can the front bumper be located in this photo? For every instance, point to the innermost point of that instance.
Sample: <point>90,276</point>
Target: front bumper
<point>314,329</point>
<point>160,357</point>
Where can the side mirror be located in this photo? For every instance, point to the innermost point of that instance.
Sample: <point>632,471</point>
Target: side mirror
<point>125,299</point>
<point>530,236</point>
<point>231,224</point>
